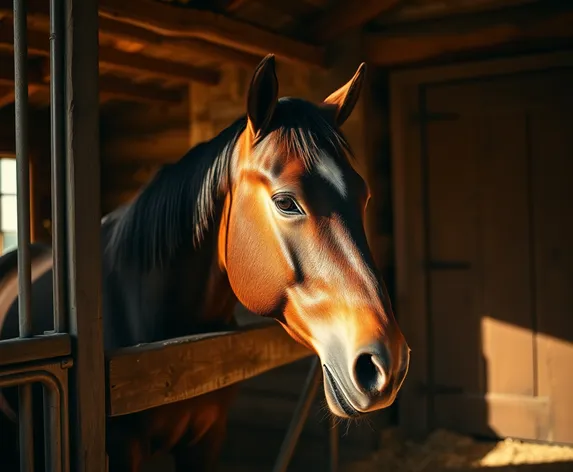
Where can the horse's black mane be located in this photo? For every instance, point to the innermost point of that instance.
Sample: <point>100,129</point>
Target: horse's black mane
<point>178,205</point>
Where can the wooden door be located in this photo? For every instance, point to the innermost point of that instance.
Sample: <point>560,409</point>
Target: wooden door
<point>496,167</point>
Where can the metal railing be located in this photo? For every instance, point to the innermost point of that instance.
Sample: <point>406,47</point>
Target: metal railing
<point>45,358</point>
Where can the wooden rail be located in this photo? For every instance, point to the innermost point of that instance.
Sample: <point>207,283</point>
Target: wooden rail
<point>21,350</point>
<point>154,374</point>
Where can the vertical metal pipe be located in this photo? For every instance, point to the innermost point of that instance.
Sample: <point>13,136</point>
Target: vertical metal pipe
<point>22,167</point>
<point>333,439</point>
<point>57,137</point>
<point>301,413</point>
<point>23,206</point>
<point>52,429</point>
<point>64,421</point>
<point>25,425</point>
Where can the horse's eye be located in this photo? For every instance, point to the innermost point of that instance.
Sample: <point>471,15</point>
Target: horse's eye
<point>287,205</point>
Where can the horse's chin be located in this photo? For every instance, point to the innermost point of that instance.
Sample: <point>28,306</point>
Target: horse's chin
<point>341,402</point>
<point>337,398</point>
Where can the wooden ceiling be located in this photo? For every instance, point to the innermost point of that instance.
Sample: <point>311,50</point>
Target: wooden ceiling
<point>150,49</point>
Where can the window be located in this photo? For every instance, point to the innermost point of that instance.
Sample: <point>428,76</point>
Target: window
<point>8,205</point>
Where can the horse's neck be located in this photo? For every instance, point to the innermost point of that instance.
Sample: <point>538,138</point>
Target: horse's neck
<point>204,299</point>
<point>192,296</point>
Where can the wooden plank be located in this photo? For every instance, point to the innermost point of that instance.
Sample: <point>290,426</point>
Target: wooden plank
<point>507,321</point>
<point>451,149</point>
<point>410,234</point>
<point>19,350</point>
<point>138,379</point>
<point>209,26</point>
<point>111,87</point>
<point>39,43</point>
<point>514,416</point>
<point>347,15</point>
<point>83,239</point>
<point>424,44</point>
<point>552,200</point>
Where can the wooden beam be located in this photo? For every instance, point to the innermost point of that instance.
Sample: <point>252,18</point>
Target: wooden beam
<point>433,43</point>
<point>116,30</point>
<point>38,19</point>
<point>118,88</point>
<point>20,350</point>
<point>209,26</point>
<point>82,272</point>
<point>347,15</point>
<point>138,379</point>
<point>114,59</point>
<point>113,87</point>
<point>417,11</point>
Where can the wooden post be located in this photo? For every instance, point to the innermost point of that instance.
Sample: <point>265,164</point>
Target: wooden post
<point>87,379</point>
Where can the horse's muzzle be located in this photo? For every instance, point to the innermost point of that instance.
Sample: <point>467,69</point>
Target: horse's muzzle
<point>368,382</point>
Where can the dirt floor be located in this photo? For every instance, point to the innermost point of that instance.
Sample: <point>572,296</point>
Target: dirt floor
<point>442,451</point>
<point>447,451</point>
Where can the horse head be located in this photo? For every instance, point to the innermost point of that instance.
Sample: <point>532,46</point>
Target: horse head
<point>293,244</point>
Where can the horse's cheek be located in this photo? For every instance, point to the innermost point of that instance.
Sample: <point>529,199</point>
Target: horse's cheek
<point>254,266</point>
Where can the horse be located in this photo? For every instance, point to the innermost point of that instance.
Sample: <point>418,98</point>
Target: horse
<point>269,213</point>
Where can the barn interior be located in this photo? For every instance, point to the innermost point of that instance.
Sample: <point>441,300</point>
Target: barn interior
<point>464,132</point>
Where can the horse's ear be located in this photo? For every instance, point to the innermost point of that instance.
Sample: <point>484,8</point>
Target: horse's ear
<point>342,102</point>
<point>262,96</point>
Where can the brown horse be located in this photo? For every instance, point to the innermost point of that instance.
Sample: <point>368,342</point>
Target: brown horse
<point>270,213</point>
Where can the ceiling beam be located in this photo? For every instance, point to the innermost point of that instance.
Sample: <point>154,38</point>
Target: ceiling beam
<point>110,87</point>
<point>214,27</point>
<point>422,11</point>
<point>116,30</point>
<point>111,58</point>
<point>437,41</point>
<point>185,23</point>
<point>346,15</point>
<point>109,28</point>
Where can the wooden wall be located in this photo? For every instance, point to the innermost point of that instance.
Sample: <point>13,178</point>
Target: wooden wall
<point>136,139</point>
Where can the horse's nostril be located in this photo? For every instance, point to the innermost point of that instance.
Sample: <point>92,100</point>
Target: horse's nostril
<point>369,372</point>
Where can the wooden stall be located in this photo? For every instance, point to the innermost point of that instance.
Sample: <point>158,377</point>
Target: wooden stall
<point>464,134</point>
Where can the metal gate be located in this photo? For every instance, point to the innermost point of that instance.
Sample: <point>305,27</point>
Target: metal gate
<point>69,361</point>
<point>71,383</point>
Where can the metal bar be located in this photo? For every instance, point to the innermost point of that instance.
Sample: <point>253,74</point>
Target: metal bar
<point>37,348</point>
<point>53,377</point>
<point>299,417</point>
<point>333,443</point>
<point>26,428</point>
<point>26,417</point>
<point>23,167</point>
<point>52,423</point>
<point>83,238</point>
<point>57,137</point>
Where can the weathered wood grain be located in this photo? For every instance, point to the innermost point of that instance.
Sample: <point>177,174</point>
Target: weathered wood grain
<point>155,374</point>
<point>19,350</point>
